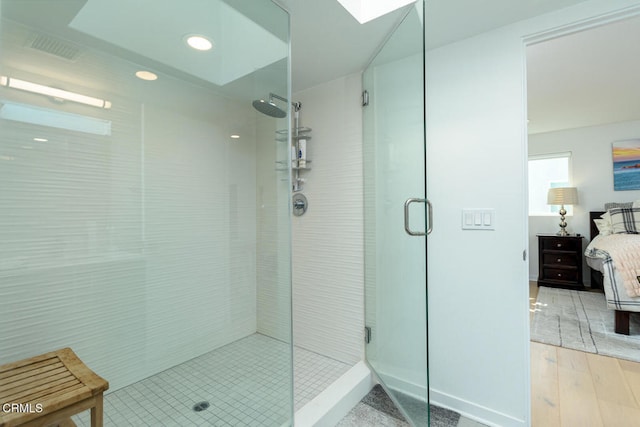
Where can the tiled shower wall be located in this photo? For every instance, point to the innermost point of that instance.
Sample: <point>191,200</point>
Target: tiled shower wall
<point>138,249</point>
<point>328,266</point>
<point>131,308</point>
<point>273,242</point>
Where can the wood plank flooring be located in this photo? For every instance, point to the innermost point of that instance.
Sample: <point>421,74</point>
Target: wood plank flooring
<point>571,388</point>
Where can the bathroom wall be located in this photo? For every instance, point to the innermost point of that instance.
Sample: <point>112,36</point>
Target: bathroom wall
<point>328,275</point>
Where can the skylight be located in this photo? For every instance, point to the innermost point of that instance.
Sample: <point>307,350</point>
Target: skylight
<point>368,10</point>
<point>156,30</point>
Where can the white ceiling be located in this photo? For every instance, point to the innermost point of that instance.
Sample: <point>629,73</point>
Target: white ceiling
<point>327,42</point>
<point>584,79</point>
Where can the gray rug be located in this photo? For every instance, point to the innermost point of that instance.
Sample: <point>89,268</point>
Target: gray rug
<point>384,413</point>
<point>581,321</point>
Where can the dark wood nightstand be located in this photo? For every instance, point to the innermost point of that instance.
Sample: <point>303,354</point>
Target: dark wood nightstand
<point>560,261</point>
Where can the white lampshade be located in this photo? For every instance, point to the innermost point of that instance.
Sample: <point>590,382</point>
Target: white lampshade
<point>562,196</point>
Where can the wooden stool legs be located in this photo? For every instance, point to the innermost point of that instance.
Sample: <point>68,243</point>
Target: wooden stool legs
<point>97,412</point>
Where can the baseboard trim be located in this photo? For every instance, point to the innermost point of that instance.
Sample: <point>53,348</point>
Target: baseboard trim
<point>335,402</point>
<point>465,408</point>
<point>414,390</point>
<point>473,411</point>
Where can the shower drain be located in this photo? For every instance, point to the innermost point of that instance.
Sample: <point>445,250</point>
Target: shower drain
<point>201,406</point>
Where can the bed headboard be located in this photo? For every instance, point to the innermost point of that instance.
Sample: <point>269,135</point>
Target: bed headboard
<point>593,230</point>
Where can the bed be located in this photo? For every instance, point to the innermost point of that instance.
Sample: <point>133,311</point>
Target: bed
<point>613,255</point>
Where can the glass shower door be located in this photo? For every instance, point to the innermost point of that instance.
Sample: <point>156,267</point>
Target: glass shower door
<point>144,222</point>
<point>395,218</point>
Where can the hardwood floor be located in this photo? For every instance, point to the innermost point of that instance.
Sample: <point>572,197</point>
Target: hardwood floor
<point>571,388</point>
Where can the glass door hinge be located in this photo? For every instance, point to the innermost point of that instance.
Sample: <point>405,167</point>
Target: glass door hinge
<point>367,334</point>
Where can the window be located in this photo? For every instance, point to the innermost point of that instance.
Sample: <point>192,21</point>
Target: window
<point>545,172</point>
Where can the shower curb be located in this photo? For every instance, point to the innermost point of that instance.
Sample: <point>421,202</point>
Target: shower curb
<point>335,402</point>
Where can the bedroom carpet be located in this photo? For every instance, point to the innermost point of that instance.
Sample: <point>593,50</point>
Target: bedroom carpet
<point>581,321</point>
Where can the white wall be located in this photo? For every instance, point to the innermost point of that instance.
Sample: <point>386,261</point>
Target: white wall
<point>592,174</point>
<point>478,293</point>
<point>328,313</point>
<point>475,153</point>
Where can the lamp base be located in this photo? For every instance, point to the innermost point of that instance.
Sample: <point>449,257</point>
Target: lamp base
<point>563,223</point>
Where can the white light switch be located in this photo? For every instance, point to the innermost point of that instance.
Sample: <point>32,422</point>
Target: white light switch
<point>478,219</point>
<point>468,219</point>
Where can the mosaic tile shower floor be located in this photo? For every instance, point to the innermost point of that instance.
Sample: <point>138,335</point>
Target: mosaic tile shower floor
<point>242,382</point>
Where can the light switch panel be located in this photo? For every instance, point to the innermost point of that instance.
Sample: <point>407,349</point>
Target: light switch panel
<point>478,219</point>
<point>467,219</point>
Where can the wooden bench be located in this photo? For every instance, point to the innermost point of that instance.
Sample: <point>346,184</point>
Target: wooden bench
<point>46,390</point>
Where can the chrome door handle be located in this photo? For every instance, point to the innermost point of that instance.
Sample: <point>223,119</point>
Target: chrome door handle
<point>430,216</point>
<point>406,217</point>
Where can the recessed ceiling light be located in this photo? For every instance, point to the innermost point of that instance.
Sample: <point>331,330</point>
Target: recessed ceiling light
<point>234,136</point>
<point>199,42</point>
<point>40,139</point>
<point>146,75</point>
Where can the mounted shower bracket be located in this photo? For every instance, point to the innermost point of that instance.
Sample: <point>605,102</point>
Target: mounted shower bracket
<point>299,159</point>
<point>300,162</point>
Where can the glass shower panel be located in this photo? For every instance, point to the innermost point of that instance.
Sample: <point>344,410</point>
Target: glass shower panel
<point>143,222</point>
<point>396,262</point>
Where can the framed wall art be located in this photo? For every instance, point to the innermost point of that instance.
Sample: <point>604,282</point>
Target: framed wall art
<point>626,165</point>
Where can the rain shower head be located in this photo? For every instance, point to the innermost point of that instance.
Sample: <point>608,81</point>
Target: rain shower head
<point>269,108</point>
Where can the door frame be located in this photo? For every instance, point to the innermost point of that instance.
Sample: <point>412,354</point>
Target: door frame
<point>592,22</point>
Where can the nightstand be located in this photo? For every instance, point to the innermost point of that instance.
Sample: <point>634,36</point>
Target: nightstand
<point>560,261</point>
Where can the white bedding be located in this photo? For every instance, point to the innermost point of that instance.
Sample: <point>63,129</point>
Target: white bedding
<point>595,263</point>
<point>614,284</point>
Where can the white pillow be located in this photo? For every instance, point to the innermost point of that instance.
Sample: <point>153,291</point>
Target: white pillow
<point>625,220</point>
<point>604,227</point>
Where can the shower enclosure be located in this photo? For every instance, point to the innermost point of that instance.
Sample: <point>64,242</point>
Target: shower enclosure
<point>143,220</point>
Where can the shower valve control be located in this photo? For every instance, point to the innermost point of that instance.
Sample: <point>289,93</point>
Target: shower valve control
<point>300,204</point>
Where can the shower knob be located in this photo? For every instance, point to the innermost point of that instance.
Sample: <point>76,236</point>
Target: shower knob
<point>300,204</point>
